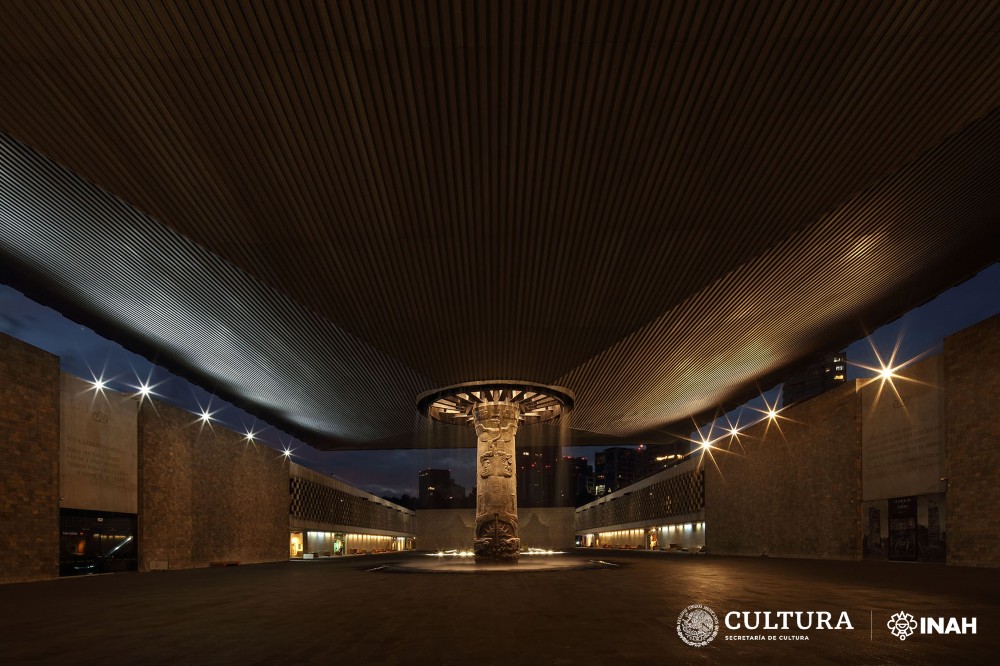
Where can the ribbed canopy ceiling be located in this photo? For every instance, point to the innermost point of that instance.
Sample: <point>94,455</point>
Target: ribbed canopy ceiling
<point>322,209</point>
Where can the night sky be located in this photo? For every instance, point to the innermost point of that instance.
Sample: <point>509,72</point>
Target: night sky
<point>87,355</point>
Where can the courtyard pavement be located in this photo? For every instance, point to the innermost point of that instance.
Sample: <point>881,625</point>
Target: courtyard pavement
<point>338,611</point>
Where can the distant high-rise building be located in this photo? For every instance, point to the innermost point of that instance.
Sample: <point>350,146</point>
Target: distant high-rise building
<point>658,456</point>
<point>576,482</point>
<point>615,468</point>
<point>537,475</point>
<point>544,478</point>
<point>439,491</point>
<point>827,373</point>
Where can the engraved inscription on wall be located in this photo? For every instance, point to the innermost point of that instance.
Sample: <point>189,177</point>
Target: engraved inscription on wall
<point>902,444</point>
<point>98,456</point>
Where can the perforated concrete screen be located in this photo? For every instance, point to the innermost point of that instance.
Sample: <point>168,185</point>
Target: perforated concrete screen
<point>316,502</point>
<point>680,495</point>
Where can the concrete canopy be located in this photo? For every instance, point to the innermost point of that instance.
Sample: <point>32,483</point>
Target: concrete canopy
<point>321,210</point>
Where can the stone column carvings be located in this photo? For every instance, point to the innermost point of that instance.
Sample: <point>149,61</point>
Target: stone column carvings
<point>496,536</point>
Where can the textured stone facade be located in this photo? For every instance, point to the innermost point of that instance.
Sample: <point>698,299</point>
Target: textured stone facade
<point>791,495</point>
<point>206,494</point>
<point>319,502</point>
<point>29,449</point>
<point>671,496</point>
<point>972,443</point>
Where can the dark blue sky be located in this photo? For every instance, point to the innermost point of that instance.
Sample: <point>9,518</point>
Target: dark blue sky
<point>85,354</point>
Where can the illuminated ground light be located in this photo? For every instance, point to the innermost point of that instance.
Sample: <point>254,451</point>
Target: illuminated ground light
<point>452,553</point>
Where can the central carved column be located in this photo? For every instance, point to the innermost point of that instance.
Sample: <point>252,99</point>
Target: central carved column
<point>496,495</point>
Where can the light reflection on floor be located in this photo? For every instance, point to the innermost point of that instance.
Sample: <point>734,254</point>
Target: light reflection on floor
<point>463,561</point>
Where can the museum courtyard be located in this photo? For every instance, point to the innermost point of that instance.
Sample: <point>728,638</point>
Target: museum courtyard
<point>350,610</point>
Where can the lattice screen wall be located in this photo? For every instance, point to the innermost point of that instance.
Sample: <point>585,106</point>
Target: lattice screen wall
<point>312,501</point>
<point>678,495</point>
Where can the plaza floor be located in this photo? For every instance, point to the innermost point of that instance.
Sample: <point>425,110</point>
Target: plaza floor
<point>339,611</point>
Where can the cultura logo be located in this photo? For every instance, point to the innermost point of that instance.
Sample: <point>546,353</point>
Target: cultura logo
<point>902,625</point>
<point>697,625</point>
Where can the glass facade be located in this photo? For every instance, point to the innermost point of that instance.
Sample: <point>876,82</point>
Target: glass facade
<point>316,544</point>
<point>96,542</point>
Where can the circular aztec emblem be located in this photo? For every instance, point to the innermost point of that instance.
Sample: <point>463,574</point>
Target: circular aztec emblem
<point>901,625</point>
<point>697,625</point>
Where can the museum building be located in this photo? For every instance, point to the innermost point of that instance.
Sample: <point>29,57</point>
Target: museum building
<point>882,468</point>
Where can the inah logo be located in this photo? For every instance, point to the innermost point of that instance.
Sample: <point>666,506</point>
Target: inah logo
<point>902,625</point>
<point>697,625</point>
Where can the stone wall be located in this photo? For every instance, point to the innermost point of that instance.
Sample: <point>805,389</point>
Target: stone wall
<point>206,494</point>
<point>442,529</point>
<point>972,443</point>
<point>796,492</point>
<point>29,462</point>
